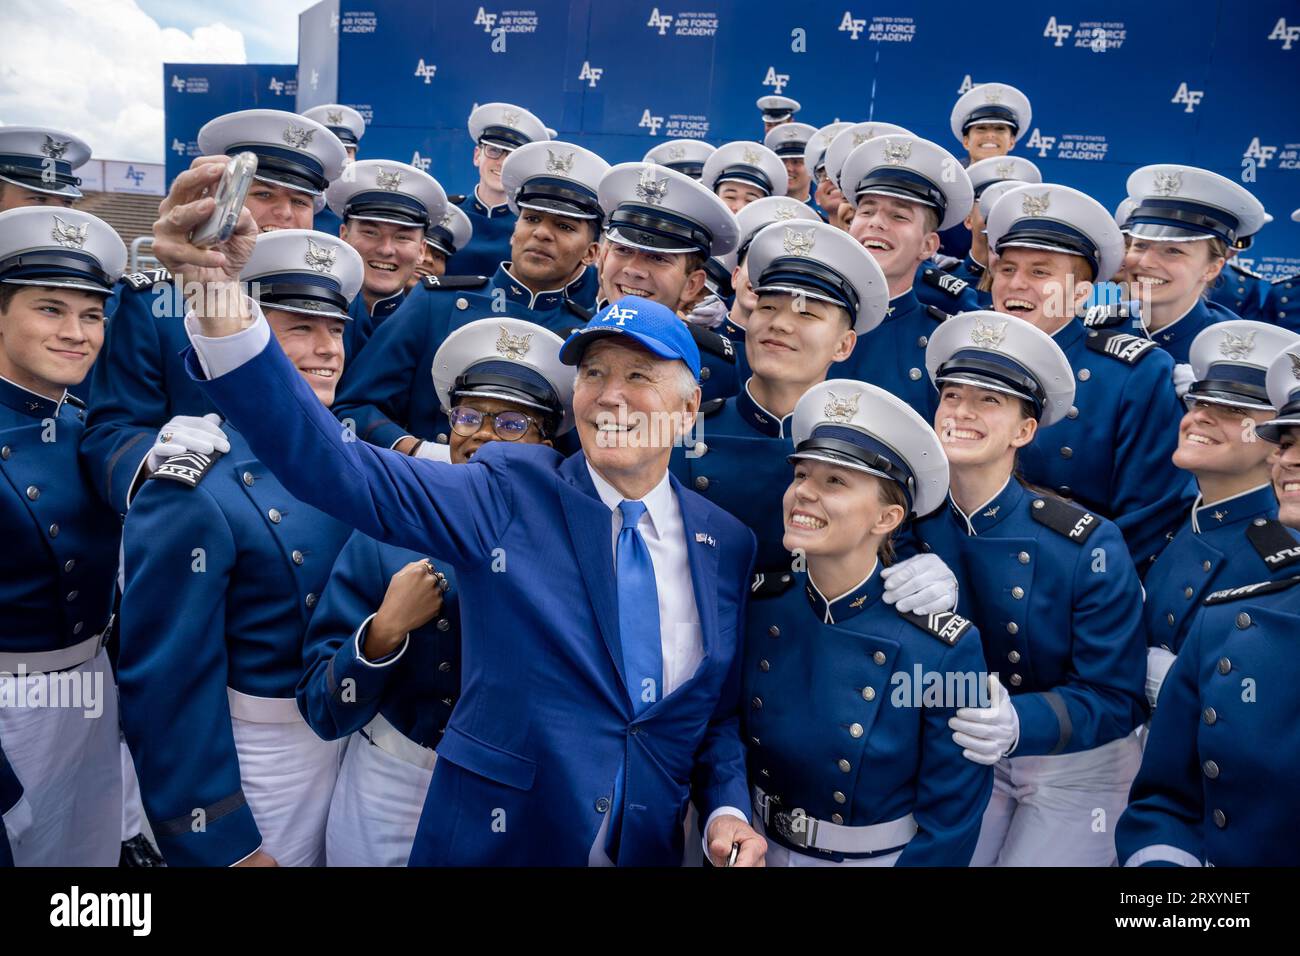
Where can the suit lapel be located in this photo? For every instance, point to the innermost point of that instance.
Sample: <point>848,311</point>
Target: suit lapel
<point>702,550</point>
<point>590,527</point>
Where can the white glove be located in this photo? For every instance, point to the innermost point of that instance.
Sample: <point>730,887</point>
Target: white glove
<point>1159,661</point>
<point>923,584</point>
<point>709,313</point>
<point>434,451</point>
<point>987,734</point>
<point>1183,378</point>
<point>187,433</point>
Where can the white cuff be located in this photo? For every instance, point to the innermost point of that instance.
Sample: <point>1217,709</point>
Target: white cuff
<point>434,451</point>
<point>721,811</point>
<point>1162,853</point>
<point>392,658</point>
<point>223,354</point>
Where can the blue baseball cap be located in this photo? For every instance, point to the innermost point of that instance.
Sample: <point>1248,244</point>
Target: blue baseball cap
<point>651,325</point>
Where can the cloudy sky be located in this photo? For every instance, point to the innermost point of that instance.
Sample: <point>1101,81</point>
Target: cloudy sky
<point>94,67</point>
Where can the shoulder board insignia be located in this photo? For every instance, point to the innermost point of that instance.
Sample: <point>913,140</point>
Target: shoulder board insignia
<point>1107,316</point>
<point>709,341</point>
<point>1274,543</point>
<point>188,468</point>
<point>937,313</point>
<point>947,626</point>
<point>457,198</point>
<point>1065,518</point>
<point>1237,266</point>
<point>946,263</point>
<point>765,586</point>
<point>712,406</point>
<point>1250,590</point>
<point>948,284</point>
<point>583,313</point>
<point>454,282</point>
<point>74,401</point>
<point>1129,349</point>
<point>146,279</point>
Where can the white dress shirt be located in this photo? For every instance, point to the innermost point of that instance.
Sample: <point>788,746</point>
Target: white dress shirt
<point>662,528</point>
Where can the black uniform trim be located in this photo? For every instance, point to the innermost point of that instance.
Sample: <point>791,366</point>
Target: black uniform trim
<point>1274,543</point>
<point>584,314</point>
<point>454,282</point>
<point>947,626</point>
<point>146,279</point>
<point>1065,518</point>
<point>712,405</point>
<point>1250,590</point>
<point>457,198</point>
<point>949,285</point>
<point>74,401</point>
<point>188,468</point>
<point>211,813</point>
<point>1129,349</point>
<point>937,313</point>
<point>706,340</point>
<point>770,585</point>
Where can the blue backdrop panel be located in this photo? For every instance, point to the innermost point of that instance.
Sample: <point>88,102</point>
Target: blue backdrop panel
<point>198,92</point>
<point>1114,85</point>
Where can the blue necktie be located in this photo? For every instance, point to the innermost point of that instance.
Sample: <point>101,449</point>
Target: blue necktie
<point>638,632</point>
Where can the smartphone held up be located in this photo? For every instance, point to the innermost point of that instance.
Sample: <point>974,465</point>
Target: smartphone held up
<point>229,196</point>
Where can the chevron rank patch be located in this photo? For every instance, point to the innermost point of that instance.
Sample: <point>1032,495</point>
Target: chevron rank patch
<point>1251,590</point>
<point>947,626</point>
<point>146,279</point>
<point>1274,543</point>
<point>1129,349</point>
<point>948,284</point>
<point>187,468</point>
<point>1108,316</point>
<point>1065,518</point>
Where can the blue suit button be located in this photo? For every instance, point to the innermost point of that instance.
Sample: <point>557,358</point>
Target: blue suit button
<point>72,596</point>
<point>76,628</point>
<point>311,600</point>
<point>54,530</point>
<point>445,666</point>
<point>705,372</point>
<point>602,805</point>
<point>757,703</point>
<point>69,564</point>
<point>764,666</point>
<point>443,624</point>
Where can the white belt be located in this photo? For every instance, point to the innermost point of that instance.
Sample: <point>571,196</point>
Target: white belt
<point>263,710</point>
<point>801,830</point>
<point>392,741</point>
<point>41,662</point>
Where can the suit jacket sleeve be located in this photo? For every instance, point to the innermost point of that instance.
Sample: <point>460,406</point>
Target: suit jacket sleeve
<point>1103,697</point>
<point>720,777</point>
<point>1166,811</point>
<point>179,552</point>
<point>339,692</point>
<point>375,390</point>
<point>458,512</point>
<point>128,400</point>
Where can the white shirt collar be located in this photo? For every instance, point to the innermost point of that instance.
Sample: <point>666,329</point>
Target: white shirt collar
<point>658,500</point>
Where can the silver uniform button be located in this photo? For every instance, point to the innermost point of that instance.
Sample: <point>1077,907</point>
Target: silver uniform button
<point>311,600</point>
<point>33,492</point>
<point>1016,680</point>
<point>1017,592</point>
<point>297,557</point>
<point>774,631</point>
<point>444,666</point>
<point>1023,557</point>
<point>878,657</point>
<point>1205,565</point>
<point>837,819</point>
<point>764,666</point>
<point>855,730</point>
<point>247,478</point>
<point>1210,715</point>
<point>1187,592</point>
<point>702,483</point>
<point>1067,452</point>
<point>701,449</point>
<point>1225,665</point>
<point>1170,619</point>
<point>76,628</point>
<point>1038,504</point>
<point>756,703</point>
<point>440,438</point>
<point>914,374</point>
<point>1013,628</point>
<point>602,805</point>
<point>705,372</point>
<point>1014,657</point>
<point>443,624</point>
<point>5,452</point>
<point>1243,620</point>
<point>1211,769</point>
<point>1072,413</point>
<point>844,765</point>
<point>72,596</point>
<point>69,564</point>
<point>922,342</point>
<point>1084,375</point>
<point>54,530</point>
<point>462,303</point>
<point>1220,819</point>
<point>838,797</point>
<point>274,515</point>
<point>868,693</point>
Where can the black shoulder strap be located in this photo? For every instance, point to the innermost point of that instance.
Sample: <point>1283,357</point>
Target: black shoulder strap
<point>454,282</point>
<point>1251,590</point>
<point>712,405</point>
<point>765,586</point>
<point>1064,518</point>
<point>947,626</point>
<point>950,285</point>
<point>1129,349</point>
<point>584,314</point>
<point>1274,542</point>
<point>936,313</point>
<point>188,468</point>
<point>706,340</point>
<point>146,279</point>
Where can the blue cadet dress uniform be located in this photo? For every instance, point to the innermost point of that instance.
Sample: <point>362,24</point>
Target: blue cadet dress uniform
<point>747,163</point>
<point>776,110</point>
<point>378,190</point>
<point>449,234</point>
<point>542,765</point>
<point>658,210</point>
<point>840,774</point>
<point>1185,204</point>
<point>916,170</point>
<point>1283,306</point>
<point>1219,783</point>
<point>985,104</point>
<point>139,383</point>
<point>387,394</point>
<point>790,141</point>
<point>505,127</point>
<point>1113,450</point>
<point>1240,290</point>
<point>1234,541</point>
<point>1058,604</point>
<point>741,463</point>
<point>983,175</point>
<point>223,569</point>
<point>58,707</point>
<point>685,156</point>
<point>349,126</point>
<point>398,706</point>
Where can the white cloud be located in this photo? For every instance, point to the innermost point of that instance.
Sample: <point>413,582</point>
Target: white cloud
<point>94,68</point>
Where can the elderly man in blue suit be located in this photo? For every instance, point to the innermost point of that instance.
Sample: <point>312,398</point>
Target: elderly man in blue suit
<point>595,705</point>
